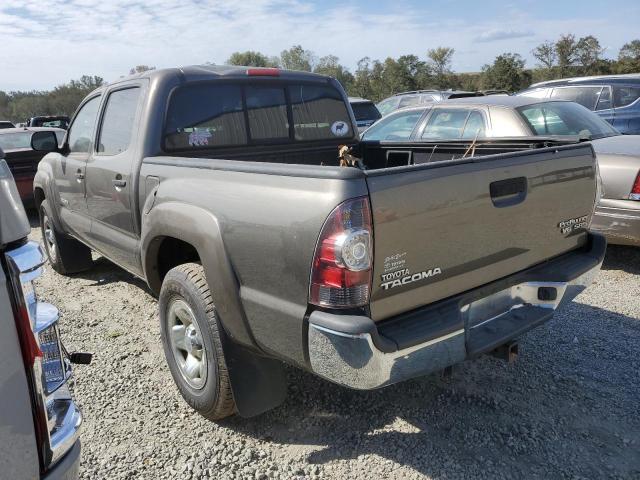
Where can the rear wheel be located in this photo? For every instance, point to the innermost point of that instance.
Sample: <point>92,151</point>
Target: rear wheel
<point>191,340</point>
<point>66,254</point>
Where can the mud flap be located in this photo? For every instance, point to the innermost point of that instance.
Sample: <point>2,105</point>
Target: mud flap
<point>258,383</point>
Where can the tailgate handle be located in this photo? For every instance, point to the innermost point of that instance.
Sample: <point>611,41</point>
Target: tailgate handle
<point>505,193</point>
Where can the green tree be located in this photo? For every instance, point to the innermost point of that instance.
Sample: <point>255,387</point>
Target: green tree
<point>567,52</point>
<point>545,53</point>
<point>330,65</point>
<point>297,58</point>
<point>251,59</point>
<point>506,73</point>
<point>588,54</point>
<point>440,60</point>
<point>629,58</point>
<point>140,69</point>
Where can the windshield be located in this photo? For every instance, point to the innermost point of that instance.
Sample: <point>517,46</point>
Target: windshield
<point>15,141</point>
<point>395,127</point>
<point>365,111</point>
<point>565,118</point>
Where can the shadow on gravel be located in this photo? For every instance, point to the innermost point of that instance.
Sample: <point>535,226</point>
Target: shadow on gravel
<point>564,409</point>
<point>622,257</point>
<point>103,272</point>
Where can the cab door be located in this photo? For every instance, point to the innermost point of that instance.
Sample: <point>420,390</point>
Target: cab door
<point>70,170</point>
<point>110,183</point>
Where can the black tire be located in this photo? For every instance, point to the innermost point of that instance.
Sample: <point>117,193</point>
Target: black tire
<point>66,254</point>
<point>210,396</point>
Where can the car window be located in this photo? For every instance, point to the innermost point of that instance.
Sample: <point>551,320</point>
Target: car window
<point>82,130</point>
<point>623,96</point>
<point>565,118</point>
<point>365,111</point>
<point>427,98</point>
<point>15,141</point>
<point>387,106</point>
<point>395,127</point>
<point>475,127</point>
<point>585,96</point>
<point>319,112</point>
<point>537,93</point>
<point>267,111</point>
<point>445,124</point>
<point>117,121</point>
<point>409,101</point>
<point>604,102</point>
<point>205,115</point>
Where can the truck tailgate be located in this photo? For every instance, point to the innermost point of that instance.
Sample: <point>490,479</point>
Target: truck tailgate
<point>446,227</point>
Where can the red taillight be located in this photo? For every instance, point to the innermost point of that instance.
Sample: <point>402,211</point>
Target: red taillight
<point>342,264</point>
<point>635,191</point>
<point>28,344</point>
<point>263,72</point>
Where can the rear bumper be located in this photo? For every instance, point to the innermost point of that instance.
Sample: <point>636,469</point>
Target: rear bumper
<point>356,352</point>
<point>619,222</point>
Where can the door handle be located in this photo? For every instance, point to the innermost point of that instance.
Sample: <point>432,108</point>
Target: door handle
<point>505,193</point>
<point>79,175</point>
<point>119,183</point>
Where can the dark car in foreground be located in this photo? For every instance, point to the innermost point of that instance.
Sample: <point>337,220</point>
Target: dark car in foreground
<point>618,212</point>
<point>365,112</point>
<point>616,98</point>
<point>39,420</point>
<point>22,158</point>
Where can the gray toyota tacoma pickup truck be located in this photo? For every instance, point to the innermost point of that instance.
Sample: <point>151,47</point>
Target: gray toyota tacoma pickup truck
<point>39,421</point>
<point>223,188</point>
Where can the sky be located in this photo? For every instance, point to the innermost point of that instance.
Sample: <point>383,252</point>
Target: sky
<point>44,44</point>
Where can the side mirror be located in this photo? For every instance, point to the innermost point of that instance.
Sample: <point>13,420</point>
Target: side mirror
<point>44,142</point>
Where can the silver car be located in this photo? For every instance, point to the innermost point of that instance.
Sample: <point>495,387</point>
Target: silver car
<point>466,119</point>
<point>39,420</point>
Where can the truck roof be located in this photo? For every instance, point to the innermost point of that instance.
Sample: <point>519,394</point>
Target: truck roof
<point>205,72</point>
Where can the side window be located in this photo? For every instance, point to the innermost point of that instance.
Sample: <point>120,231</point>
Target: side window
<point>408,101</point>
<point>117,121</point>
<point>604,102</point>
<point>445,124</point>
<point>623,96</point>
<point>81,131</point>
<point>475,127</point>
<point>267,110</point>
<point>397,127</point>
<point>388,105</point>
<point>201,116</point>
<point>585,96</point>
<point>319,112</point>
<point>537,93</point>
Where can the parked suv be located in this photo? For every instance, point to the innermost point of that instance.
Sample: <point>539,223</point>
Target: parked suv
<point>365,112</point>
<point>616,98</point>
<point>419,97</point>
<point>39,421</point>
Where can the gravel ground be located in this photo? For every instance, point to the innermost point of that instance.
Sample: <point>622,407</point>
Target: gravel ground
<point>568,408</point>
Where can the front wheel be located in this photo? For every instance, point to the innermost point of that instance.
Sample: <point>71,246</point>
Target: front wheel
<point>191,340</point>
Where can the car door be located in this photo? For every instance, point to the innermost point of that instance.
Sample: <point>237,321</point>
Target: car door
<point>70,171</point>
<point>626,101</point>
<point>109,180</point>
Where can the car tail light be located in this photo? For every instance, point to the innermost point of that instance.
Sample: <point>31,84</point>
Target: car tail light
<point>635,191</point>
<point>263,72</point>
<point>56,417</point>
<point>342,264</point>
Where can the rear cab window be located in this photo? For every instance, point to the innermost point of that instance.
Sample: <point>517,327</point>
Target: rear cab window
<point>451,124</point>
<point>221,114</point>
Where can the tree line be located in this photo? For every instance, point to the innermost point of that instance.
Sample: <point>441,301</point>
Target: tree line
<point>567,56</point>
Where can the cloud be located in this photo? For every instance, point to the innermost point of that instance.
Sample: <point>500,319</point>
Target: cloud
<point>494,35</point>
<point>44,47</point>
